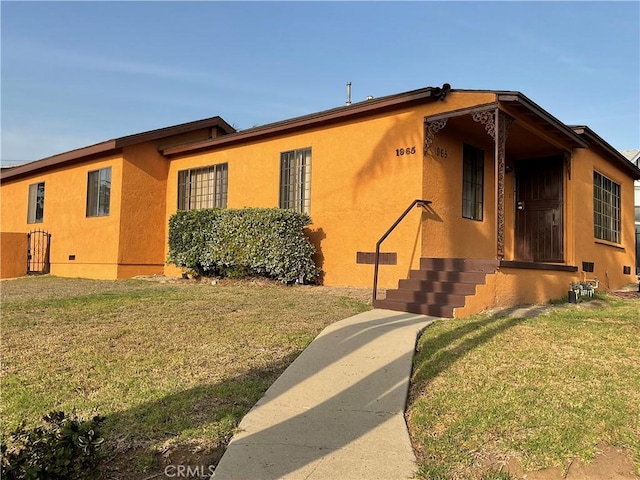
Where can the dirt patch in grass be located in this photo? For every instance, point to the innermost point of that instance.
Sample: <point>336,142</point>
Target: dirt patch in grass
<point>173,364</point>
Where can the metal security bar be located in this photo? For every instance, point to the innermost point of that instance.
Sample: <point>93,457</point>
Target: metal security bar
<point>38,246</point>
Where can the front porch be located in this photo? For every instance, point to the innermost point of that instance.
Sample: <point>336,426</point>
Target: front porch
<point>503,234</point>
<point>461,287</point>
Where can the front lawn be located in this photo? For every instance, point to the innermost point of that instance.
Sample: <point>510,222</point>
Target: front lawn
<point>173,366</point>
<point>539,392</point>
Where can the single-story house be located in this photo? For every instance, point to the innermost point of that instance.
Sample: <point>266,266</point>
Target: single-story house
<point>634,157</point>
<point>501,202</point>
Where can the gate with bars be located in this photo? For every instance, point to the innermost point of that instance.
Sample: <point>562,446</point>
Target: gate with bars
<point>38,246</point>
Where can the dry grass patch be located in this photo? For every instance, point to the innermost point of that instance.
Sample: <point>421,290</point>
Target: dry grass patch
<point>173,366</point>
<point>543,390</point>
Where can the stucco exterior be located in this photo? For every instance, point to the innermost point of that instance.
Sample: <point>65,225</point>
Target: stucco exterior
<point>369,162</point>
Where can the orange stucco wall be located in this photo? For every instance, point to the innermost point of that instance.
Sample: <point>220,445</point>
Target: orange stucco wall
<point>512,286</point>
<point>143,207</point>
<point>359,186</point>
<point>446,233</point>
<point>93,240</point>
<point>13,254</point>
<point>608,258</point>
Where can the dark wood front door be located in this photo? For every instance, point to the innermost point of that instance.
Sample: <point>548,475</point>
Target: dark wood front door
<point>539,210</point>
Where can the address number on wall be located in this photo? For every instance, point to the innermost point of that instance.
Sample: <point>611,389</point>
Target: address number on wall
<point>441,152</point>
<point>405,151</point>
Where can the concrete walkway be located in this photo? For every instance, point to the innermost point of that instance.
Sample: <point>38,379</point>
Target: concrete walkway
<point>337,411</point>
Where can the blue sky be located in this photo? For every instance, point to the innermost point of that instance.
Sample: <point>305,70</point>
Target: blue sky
<point>78,73</point>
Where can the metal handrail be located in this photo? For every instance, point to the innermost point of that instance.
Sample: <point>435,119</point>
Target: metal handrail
<point>422,203</point>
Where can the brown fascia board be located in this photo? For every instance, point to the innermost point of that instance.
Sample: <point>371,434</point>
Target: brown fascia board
<point>335,115</point>
<point>110,146</point>
<point>72,156</point>
<point>610,153</point>
<point>174,130</point>
<point>542,114</point>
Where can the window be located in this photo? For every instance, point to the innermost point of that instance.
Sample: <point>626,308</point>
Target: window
<point>295,180</point>
<point>606,208</point>
<point>35,211</point>
<point>99,192</point>
<point>472,182</point>
<point>203,187</point>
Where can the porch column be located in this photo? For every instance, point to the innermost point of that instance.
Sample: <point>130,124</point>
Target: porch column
<point>497,124</point>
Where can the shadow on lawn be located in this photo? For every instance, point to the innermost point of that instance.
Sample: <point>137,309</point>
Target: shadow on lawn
<point>131,432</point>
<point>434,357</point>
<point>228,401</point>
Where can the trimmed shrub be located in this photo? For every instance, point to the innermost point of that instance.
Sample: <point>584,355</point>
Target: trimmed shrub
<point>267,242</point>
<point>62,448</point>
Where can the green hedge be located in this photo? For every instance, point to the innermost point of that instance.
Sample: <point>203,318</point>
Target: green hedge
<point>268,242</point>
<point>63,447</point>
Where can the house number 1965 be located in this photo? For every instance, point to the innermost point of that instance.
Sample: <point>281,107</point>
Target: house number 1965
<point>441,152</point>
<point>405,151</point>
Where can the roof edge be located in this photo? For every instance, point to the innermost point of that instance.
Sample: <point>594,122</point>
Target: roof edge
<point>614,154</point>
<point>59,159</point>
<point>333,115</point>
<point>517,97</point>
<point>113,145</point>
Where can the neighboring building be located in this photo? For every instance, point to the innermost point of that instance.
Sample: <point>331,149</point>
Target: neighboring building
<point>525,203</point>
<point>634,157</point>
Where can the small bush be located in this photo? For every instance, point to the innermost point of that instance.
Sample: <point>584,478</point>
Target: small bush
<point>268,242</point>
<point>63,448</point>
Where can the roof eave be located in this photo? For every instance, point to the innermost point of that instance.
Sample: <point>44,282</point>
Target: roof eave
<point>175,130</point>
<point>520,99</point>
<point>366,107</point>
<point>65,158</point>
<point>110,146</point>
<point>614,154</point>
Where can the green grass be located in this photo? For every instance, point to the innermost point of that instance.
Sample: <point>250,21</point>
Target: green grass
<point>542,390</point>
<point>171,366</point>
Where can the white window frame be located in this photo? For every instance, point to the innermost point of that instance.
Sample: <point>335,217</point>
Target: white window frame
<point>295,180</point>
<point>99,192</point>
<point>35,209</point>
<point>203,187</point>
<point>606,208</point>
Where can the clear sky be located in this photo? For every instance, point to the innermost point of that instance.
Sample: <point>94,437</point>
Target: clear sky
<point>78,73</point>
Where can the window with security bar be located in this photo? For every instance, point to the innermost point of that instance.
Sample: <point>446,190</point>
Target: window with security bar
<point>472,182</point>
<point>35,209</point>
<point>606,208</point>
<point>295,180</point>
<point>203,187</point>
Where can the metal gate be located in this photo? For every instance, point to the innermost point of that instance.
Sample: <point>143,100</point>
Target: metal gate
<point>38,245</point>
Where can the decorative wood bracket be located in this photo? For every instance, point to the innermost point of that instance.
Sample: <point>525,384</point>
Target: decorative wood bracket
<point>486,118</point>
<point>430,130</point>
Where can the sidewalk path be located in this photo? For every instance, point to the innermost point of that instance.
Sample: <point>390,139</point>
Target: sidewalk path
<point>337,412</point>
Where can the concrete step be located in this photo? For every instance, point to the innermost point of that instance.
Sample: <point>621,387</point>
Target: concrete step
<point>436,286</point>
<point>445,311</point>
<point>448,276</point>
<point>431,298</point>
<point>459,264</point>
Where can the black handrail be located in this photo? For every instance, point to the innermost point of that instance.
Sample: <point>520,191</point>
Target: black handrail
<point>422,203</point>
